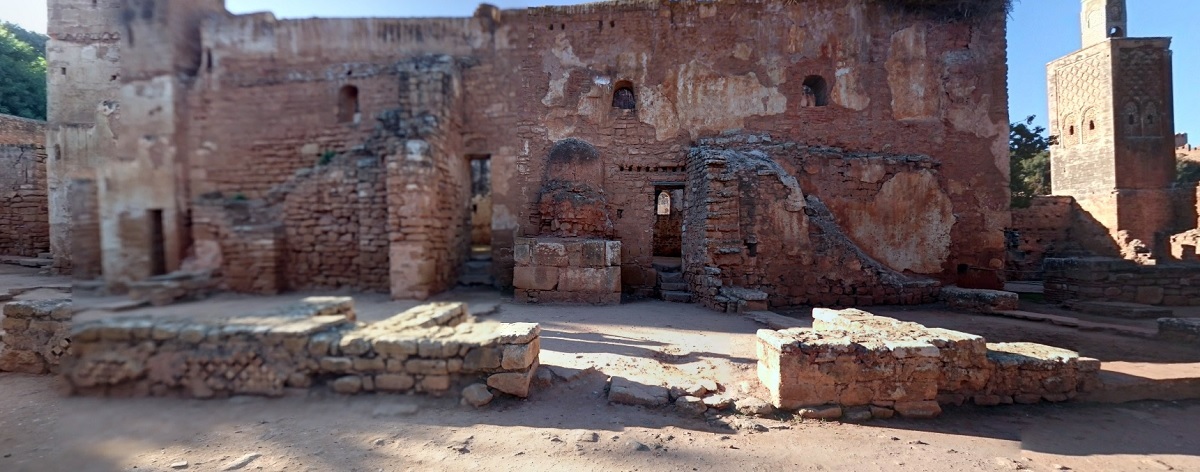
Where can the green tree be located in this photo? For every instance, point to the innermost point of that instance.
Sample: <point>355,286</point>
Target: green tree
<point>1029,161</point>
<point>22,72</point>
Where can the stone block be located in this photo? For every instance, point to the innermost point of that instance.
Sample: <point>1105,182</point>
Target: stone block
<point>23,362</point>
<point>482,359</point>
<point>435,383</point>
<point>520,356</point>
<point>590,280</point>
<point>550,254</point>
<point>513,383</point>
<point>1152,295</point>
<point>920,409</point>
<point>349,384</point>
<point>628,392</point>
<point>535,278</point>
<point>394,382</point>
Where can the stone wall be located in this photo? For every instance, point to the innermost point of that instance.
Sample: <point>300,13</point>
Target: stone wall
<point>24,211</point>
<point>1042,229</point>
<point>568,270</point>
<point>524,80</point>
<point>83,63</point>
<point>747,210</point>
<point>580,56</point>
<point>428,349</point>
<point>1119,280</point>
<point>36,335</point>
<point>336,223</point>
<point>859,365</point>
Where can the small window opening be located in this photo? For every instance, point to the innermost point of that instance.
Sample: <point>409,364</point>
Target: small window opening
<point>64,71</point>
<point>348,104</point>
<point>1091,125</point>
<point>1132,119</point>
<point>623,97</point>
<point>57,152</point>
<point>1071,131</point>
<point>664,203</point>
<point>1116,32</point>
<point>1149,119</point>
<point>208,60</point>
<point>113,78</point>
<point>816,91</point>
<point>551,26</point>
<point>612,24</point>
<point>562,26</point>
<point>962,268</point>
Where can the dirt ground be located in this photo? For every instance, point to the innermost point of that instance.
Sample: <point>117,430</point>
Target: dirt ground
<point>569,423</point>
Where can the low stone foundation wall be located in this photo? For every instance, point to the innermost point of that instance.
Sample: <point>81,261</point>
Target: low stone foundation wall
<point>431,349</point>
<point>174,287</point>
<point>860,365</point>
<point>36,335</point>
<point>567,270</point>
<point>1119,280</point>
<point>979,301</point>
<point>1181,330</point>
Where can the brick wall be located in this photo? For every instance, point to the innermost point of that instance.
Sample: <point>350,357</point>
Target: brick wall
<point>750,225</point>
<point>753,80</point>
<point>264,102</point>
<point>1042,229</point>
<point>24,212</point>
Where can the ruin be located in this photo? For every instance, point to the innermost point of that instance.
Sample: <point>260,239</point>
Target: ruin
<point>406,155</point>
<point>24,225</point>
<point>1117,228</point>
<point>860,365</point>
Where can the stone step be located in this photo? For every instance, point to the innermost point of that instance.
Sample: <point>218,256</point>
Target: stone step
<point>476,279</point>
<point>670,277</point>
<point>45,255</point>
<point>1119,309</point>
<point>484,257</point>
<point>32,262</point>
<point>677,297</point>
<point>673,287</point>
<point>668,266</point>
<point>474,266</point>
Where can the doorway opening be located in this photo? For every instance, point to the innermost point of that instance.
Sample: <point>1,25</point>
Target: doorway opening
<point>478,270</point>
<point>158,246</point>
<point>667,241</point>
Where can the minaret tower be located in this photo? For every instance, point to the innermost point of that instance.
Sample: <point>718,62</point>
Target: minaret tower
<point>1111,106</point>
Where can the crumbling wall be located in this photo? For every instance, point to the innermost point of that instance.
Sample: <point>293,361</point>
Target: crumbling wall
<point>24,211</point>
<point>316,342</point>
<point>904,84</point>
<point>860,365</point>
<point>36,335</point>
<point>1041,230</point>
<point>746,212</point>
<point>335,218</point>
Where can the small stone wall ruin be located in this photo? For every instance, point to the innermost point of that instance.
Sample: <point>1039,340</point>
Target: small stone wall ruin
<point>1120,280</point>
<point>860,365</point>
<point>431,349</point>
<point>36,335</point>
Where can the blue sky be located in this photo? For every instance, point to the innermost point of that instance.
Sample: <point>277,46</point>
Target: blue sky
<point>1039,32</point>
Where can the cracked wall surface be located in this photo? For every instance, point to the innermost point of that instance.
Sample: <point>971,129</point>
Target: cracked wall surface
<point>235,105</point>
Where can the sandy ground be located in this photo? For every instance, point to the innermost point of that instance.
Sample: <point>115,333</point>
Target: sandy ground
<point>570,424</point>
